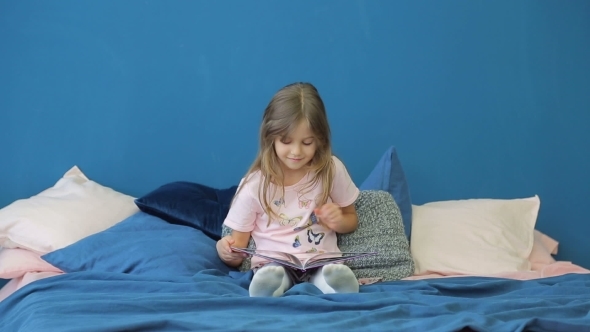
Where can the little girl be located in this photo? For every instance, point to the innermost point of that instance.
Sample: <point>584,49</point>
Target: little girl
<point>295,197</point>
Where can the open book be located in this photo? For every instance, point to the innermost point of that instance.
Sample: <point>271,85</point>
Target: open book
<point>304,261</point>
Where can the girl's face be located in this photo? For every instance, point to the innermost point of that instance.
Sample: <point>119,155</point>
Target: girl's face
<point>296,149</point>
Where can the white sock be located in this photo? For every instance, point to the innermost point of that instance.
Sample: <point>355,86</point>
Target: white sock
<point>335,278</point>
<point>269,280</point>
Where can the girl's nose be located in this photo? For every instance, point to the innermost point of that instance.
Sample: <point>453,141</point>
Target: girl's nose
<point>296,149</point>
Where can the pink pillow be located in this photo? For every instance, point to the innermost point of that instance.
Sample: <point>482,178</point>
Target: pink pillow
<point>17,283</point>
<point>543,248</point>
<point>14,263</point>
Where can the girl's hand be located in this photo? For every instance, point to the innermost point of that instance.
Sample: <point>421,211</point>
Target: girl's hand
<point>226,254</point>
<point>330,215</point>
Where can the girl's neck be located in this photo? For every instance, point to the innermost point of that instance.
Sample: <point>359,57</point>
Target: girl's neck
<point>292,177</point>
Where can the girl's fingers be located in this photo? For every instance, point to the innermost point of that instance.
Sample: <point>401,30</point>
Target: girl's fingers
<point>318,212</point>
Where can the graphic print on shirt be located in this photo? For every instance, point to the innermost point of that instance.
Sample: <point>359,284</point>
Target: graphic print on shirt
<point>311,221</point>
<point>313,237</point>
<point>304,202</point>
<point>296,243</point>
<point>285,220</point>
<point>279,202</point>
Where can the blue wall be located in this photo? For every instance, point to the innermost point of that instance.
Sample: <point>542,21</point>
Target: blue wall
<point>482,99</point>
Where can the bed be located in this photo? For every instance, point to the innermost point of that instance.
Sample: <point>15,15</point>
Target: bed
<point>80,256</point>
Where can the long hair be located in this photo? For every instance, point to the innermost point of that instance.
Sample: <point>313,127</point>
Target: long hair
<point>288,107</point>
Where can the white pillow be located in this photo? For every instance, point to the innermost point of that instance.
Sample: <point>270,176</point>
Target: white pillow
<point>474,236</point>
<point>74,208</point>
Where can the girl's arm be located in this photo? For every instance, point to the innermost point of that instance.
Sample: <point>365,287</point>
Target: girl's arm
<point>341,220</point>
<point>349,221</point>
<point>241,215</point>
<point>236,239</point>
<point>241,239</point>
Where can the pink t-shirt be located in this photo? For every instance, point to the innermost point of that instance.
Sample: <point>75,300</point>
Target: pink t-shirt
<point>295,230</point>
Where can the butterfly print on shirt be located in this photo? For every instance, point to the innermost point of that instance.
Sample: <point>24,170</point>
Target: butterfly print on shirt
<point>286,221</point>
<point>311,221</point>
<point>279,202</point>
<point>304,204</point>
<point>315,238</point>
<point>296,243</point>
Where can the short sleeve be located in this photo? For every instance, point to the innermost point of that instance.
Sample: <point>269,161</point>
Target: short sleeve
<point>344,191</point>
<point>242,213</point>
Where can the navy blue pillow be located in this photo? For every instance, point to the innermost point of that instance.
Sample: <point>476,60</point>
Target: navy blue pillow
<point>144,245</point>
<point>388,175</point>
<point>189,204</point>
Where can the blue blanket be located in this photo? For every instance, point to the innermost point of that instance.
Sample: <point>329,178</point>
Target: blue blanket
<point>97,301</point>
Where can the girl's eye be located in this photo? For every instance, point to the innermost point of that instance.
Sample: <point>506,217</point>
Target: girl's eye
<point>307,143</point>
<point>284,141</point>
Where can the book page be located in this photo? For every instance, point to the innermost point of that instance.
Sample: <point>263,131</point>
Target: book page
<point>303,261</point>
<point>285,258</point>
<point>333,257</point>
<point>308,258</point>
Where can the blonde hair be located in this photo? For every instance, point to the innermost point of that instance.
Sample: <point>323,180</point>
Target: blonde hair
<point>288,107</point>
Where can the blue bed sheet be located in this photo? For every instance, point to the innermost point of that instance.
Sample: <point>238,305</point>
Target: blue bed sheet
<point>98,301</point>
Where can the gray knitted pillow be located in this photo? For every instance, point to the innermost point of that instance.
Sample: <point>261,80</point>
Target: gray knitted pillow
<point>380,229</point>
